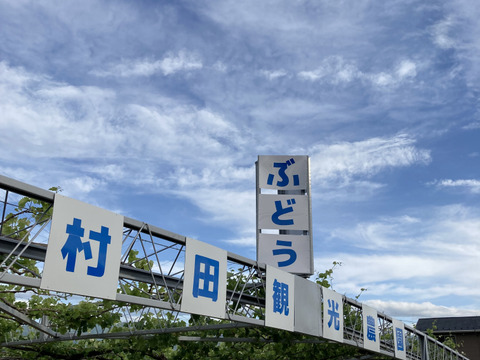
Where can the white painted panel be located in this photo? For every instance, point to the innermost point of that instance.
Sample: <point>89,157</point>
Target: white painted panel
<point>84,249</point>
<point>205,279</point>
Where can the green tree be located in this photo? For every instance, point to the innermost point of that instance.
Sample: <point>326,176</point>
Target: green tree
<point>448,340</point>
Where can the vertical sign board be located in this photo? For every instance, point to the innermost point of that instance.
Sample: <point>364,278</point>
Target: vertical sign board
<point>332,315</point>
<point>280,172</point>
<point>371,340</point>
<point>399,339</point>
<point>84,250</point>
<point>308,307</point>
<point>205,280</point>
<point>280,299</point>
<point>284,225</point>
<point>283,251</point>
<point>286,212</point>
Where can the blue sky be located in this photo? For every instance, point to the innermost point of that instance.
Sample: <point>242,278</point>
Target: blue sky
<point>158,110</point>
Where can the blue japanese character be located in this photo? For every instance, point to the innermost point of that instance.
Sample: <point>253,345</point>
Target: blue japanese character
<point>205,278</point>
<point>281,172</point>
<point>280,298</point>
<point>371,328</point>
<point>290,252</point>
<point>334,314</point>
<point>104,239</point>
<point>74,243</point>
<point>400,345</point>
<point>281,211</point>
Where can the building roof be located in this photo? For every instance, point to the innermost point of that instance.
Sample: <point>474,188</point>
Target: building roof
<point>450,324</point>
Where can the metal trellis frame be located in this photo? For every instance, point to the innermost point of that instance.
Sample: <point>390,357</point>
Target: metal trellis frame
<point>151,278</point>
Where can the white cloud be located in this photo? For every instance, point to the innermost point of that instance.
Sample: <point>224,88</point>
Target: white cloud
<point>230,206</point>
<point>170,64</point>
<point>83,184</point>
<point>418,310</point>
<point>273,74</point>
<point>366,158</point>
<point>15,77</point>
<point>449,230</point>
<point>111,172</point>
<point>440,33</point>
<point>182,61</point>
<point>345,189</point>
<point>381,79</point>
<point>406,69</point>
<point>220,66</point>
<point>336,70</point>
<point>333,69</point>
<point>54,119</point>
<point>429,255</point>
<point>472,185</point>
<point>186,137</point>
<point>166,144</point>
<point>248,241</point>
<point>193,152</point>
<point>386,267</point>
<point>376,235</point>
<point>472,126</point>
<point>421,277</point>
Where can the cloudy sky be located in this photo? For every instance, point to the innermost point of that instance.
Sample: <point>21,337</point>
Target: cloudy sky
<point>158,111</point>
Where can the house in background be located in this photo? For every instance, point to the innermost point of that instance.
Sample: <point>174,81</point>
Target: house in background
<point>465,331</point>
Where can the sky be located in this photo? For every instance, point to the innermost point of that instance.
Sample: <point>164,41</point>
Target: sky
<point>158,110</point>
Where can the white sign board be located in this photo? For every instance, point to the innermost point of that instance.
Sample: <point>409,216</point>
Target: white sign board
<point>371,340</point>
<point>205,279</point>
<point>84,250</point>
<point>283,172</point>
<point>284,208</point>
<point>285,252</point>
<point>280,299</point>
<point>399,339</point>
<point>308,307</point>
<point>332,315</point>
<point>288,212</point>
